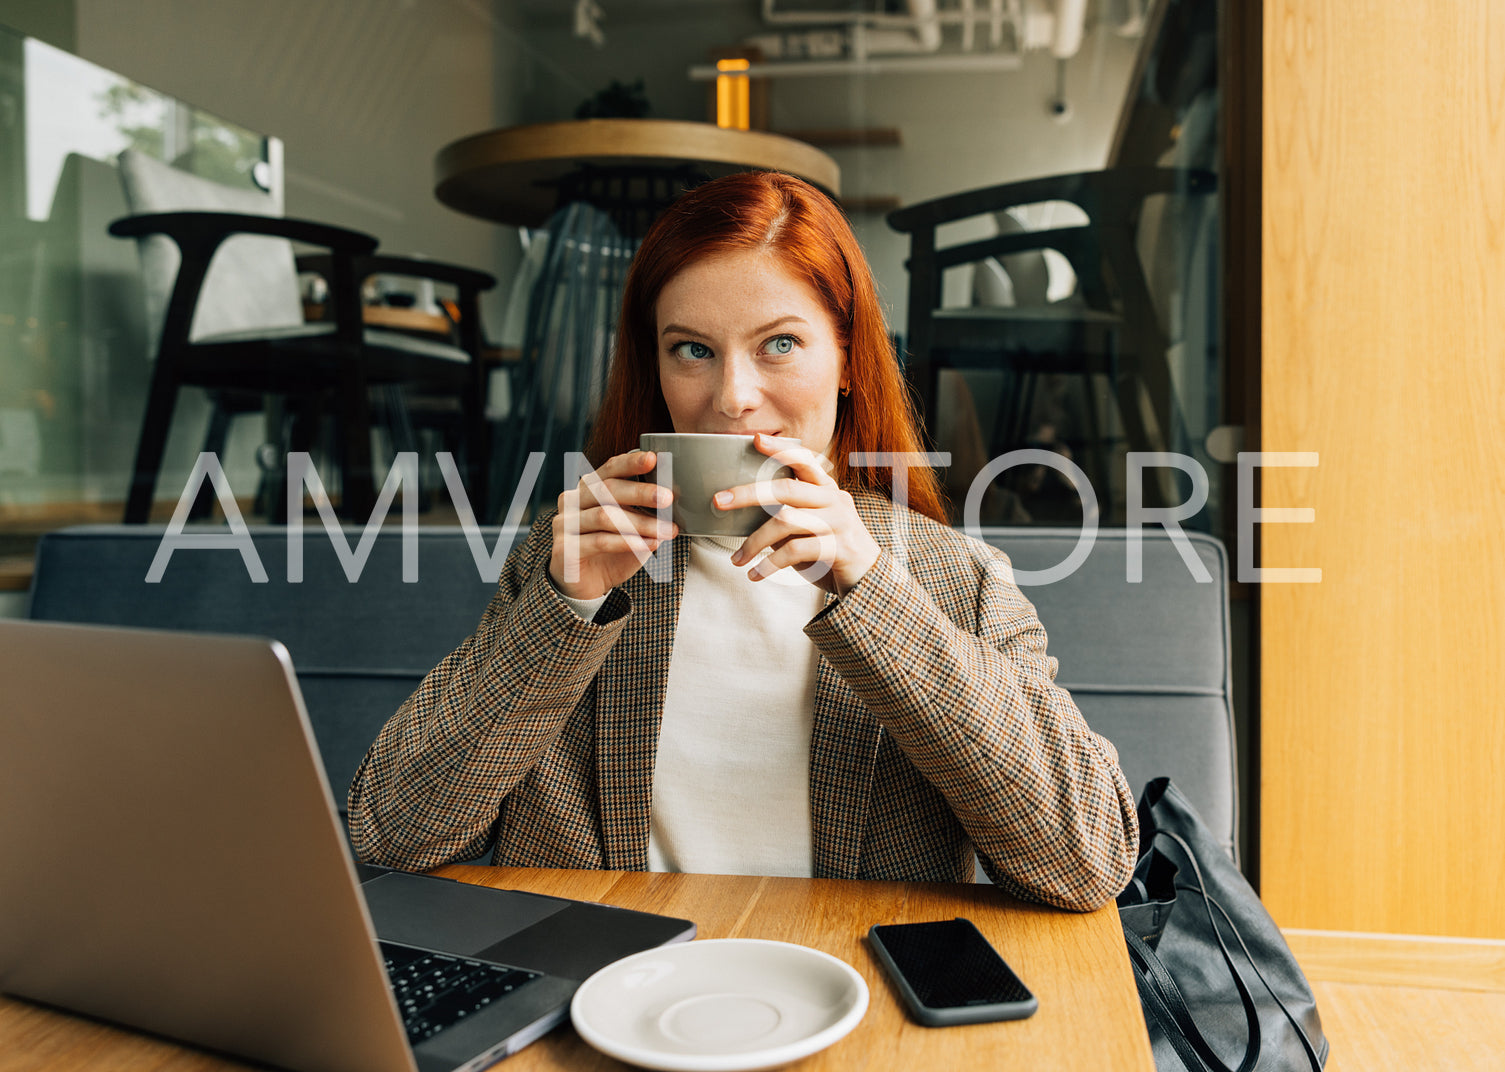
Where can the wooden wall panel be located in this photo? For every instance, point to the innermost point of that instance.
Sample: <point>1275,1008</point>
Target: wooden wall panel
<point>1383,686</point>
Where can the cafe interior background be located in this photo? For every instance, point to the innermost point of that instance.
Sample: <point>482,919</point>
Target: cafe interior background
<point>1293,319</point>
<point>361,94</point>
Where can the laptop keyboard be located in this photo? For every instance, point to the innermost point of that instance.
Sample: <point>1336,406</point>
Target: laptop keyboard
<point>436,990</point>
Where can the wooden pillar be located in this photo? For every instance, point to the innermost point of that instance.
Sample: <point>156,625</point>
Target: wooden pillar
<point>1383,326</point>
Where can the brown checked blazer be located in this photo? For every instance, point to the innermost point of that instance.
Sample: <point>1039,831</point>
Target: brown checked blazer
<point>938,729</point>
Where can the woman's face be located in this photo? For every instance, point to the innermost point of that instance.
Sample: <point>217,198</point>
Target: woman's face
<point>745,346</point>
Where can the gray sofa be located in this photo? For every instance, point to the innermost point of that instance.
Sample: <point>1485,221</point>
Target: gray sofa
<point>1147,662</point>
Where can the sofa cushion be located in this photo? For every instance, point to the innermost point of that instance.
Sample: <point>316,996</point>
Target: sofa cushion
<point>1148,662</point>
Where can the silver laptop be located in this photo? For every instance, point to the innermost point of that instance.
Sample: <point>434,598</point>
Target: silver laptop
<point>171,859</point>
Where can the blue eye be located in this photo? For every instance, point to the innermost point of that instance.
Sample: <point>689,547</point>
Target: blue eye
<point>694,351</point>
<point>782,344</point>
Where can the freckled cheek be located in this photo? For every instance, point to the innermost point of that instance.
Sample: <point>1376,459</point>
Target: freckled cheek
<point>804,392</point>
<point>684,396</point>
<point>807,402</point>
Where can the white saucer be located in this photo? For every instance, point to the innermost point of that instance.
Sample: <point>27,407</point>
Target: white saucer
<point>719,1005</point>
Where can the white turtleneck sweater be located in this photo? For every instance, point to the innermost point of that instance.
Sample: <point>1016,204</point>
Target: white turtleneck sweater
<point>731,780</point>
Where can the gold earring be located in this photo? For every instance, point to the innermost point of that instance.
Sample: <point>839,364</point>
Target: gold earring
<point>845,390</point>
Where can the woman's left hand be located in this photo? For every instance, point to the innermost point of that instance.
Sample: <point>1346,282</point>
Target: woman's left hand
<point>817,523</point>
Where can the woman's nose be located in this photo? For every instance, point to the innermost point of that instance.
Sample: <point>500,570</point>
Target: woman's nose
<point>738,391</point>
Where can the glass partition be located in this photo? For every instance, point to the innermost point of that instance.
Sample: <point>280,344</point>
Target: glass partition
<point>73,342</point>
<point>914,99</point>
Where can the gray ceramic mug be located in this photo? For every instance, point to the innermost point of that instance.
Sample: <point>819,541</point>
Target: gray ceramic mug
<point>697,465</point>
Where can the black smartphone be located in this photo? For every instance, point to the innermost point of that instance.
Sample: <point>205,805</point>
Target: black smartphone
<point>948,973</point>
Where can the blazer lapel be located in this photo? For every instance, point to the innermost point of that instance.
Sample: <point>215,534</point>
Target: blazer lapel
<point>844,745</point>
<point>843,753</point>
<point>629,707</point>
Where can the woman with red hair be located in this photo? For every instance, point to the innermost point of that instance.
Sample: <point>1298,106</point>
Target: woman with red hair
<point>855,690</point>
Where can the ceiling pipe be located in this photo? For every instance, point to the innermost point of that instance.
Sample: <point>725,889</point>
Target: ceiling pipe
<point>1071,23</point>
<point>935,62</point>
<point>912,35</point>
<point>924,18</point>
<point>923,35</point>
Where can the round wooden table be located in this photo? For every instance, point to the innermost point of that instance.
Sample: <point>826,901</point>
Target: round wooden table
<point>514,175</point>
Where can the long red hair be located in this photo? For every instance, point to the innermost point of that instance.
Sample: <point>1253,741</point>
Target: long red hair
<point>769,212</point>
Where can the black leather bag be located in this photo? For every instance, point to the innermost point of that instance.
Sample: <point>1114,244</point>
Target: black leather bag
<point>1219,986</point>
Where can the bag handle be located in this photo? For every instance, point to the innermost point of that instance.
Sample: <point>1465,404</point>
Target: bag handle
<point>1251,1013</point>
<point>1181,1028</point>
<point>1145,962</point>
<point>1169,1007</point>
<point>1306,1043</point>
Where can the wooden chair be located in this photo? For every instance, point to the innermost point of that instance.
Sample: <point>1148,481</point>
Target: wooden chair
<point>1112,329</point>
<point>239,330</point>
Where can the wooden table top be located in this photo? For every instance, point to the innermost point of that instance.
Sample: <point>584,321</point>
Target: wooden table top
<point>507,175</point>
<point>1089,1015</point>
<point>391,316</point>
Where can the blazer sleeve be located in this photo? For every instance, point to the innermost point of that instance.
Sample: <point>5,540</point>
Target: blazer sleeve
<point>430,788</point>
<point>979,715</point>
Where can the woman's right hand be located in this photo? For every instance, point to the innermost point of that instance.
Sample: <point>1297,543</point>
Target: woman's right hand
<point>600,536</point>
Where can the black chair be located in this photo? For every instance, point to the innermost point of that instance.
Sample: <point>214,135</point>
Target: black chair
<point>1111,330</point>
<point>430,402</point>
<point>240,332</point>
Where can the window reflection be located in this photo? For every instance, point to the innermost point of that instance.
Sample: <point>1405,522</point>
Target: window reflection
<point>73,354</point>
<point>1139,87</point>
